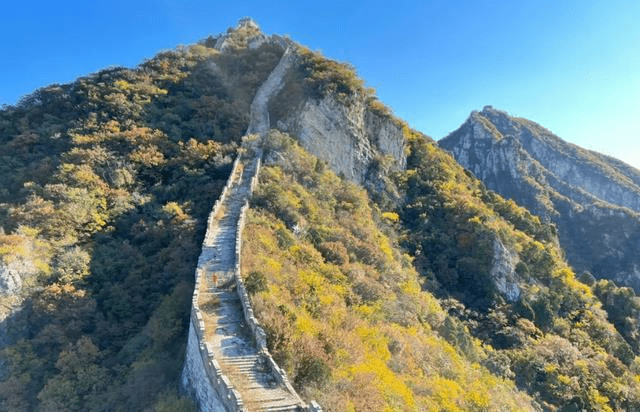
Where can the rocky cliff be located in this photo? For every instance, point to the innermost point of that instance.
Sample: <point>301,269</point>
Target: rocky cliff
<point>593,199</point>
<point>347,136</point>
<point>347,128</point>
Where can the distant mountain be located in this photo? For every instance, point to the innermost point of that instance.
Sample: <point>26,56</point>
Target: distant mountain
<point>593,199</point>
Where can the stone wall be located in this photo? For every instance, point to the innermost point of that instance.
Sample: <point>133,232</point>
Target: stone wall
<point>215,211</point>
<point>256,330</point>
<point>202,376</point>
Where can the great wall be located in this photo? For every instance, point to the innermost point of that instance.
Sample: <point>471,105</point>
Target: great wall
<point>228,366</point>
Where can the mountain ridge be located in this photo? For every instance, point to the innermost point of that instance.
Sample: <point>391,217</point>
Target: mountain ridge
<point>593,199</point>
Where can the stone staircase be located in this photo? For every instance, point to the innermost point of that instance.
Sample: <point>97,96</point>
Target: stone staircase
<point>226,345</point>
<point>229,336</point>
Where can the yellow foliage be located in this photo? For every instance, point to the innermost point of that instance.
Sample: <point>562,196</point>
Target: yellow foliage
<point>385,246</point>
<point>305,325</point>
<point>376,364</point>
<point>376,342</point>
<point>391,217</point>
<point>564,380</point>
<point>448,393</point>
<point>112,126</point>
<point>391,387</point>
<point>477,399</point>
<point>311,278</point>
<point>175,211</point>
<point>148,155</point>
<point>122,85</point>
<point>599,400</point>
<point>11,245</point>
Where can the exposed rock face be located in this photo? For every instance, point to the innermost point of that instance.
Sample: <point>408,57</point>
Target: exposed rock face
<point>348,136</point>
<point>593,199</point>
<point>503,271</point>
<point>12,274</point>
<point>10,281</point>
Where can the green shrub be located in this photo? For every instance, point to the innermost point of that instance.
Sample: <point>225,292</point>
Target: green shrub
<point>255,282</point>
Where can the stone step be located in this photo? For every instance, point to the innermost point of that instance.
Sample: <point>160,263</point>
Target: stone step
<point>244,366</point>
<point>226,324</point>
<point>251,375</point>
<point>229,302</point>
<point>283,408</point>
<point>265,399</point>
<point>249,363</point>
<point>223,300</point>
<point>286,404</point>
<point>221,293</point>
<point>246,357</point>
<point>247,372</point>
<point>287,408</point>
<point>227,297</point>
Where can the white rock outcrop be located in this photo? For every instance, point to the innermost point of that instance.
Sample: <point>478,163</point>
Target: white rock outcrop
<point>503,271</point>
<point>348,136</point>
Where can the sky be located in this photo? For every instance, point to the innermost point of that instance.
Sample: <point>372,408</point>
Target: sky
<point>571,66</point>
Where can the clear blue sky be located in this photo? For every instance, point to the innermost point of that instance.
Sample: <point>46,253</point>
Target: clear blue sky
<point>572,66</point>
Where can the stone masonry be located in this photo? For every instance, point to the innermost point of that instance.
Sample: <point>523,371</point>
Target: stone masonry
<point>228,366</point>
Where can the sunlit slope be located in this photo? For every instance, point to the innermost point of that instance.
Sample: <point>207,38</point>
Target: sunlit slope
<point>343,308</point>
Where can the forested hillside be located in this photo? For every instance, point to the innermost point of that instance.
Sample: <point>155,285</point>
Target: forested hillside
<point>513,289</point>
<point>343,307</point>
<point>334,281</point>
<point>106,184</point>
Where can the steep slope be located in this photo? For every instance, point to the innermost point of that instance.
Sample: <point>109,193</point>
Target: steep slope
<point>496,268</point>
<point>342,305</point>
<point>511,286</point>
<point>594,200</point>
<point>326,106</point>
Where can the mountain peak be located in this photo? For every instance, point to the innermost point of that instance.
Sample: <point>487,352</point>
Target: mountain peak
<point>246,33</point>
<point>569,185</point>
<point>247,23</point>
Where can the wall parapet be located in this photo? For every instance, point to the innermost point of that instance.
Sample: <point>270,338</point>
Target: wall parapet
<point>227,394</point>
<point>217,207</point>
<point>202,374</point>
<point>224,390</point>
<point>256,330</point>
